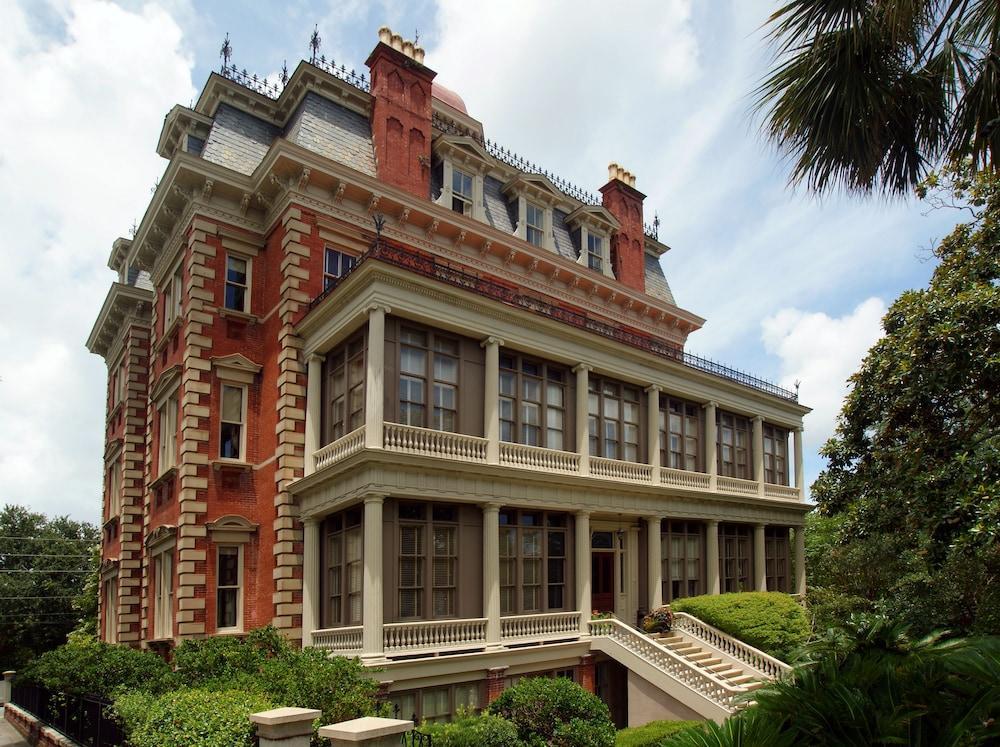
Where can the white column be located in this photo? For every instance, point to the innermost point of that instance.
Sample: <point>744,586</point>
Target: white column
<point>800,474</point>
<point>371,637</point>
<point>310,579</point>
<point>759,560</point>
<point>800,560</point>
<point>712,557</point>
<point>314,410</point>
<point>711,450</point>
<point>758,453</point>
<point>582,433</point>
<point>375,377</point>
<point>653,430</point>
<point>583,570</point>
<point>491,404</point>
<point>654,562</point>
<point>491,573</point>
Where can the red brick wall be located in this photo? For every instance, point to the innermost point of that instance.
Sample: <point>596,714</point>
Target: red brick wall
<point>495,683</point>
<point>34,732</point>
<point>627,246</point>
<point>585,673</point>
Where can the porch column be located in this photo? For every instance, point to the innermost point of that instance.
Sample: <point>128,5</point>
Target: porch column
<point>310,579</point>
<point>371,619</point>
<point>375,377</point>
<point>491,408</point>
<point>654,562</point>
<point>653,430</point>
<point>800,560</point>
<point>582,432</point>
<point>711,451</point>
<point>583,569</point>
<point>759,559</point>
<point>758,453</point>
<point>712,556</point>
<point>314,410</point>
<point>491,573</point>
<point>800,474</point>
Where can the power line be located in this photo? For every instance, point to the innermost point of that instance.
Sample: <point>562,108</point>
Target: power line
<point>53,539</point>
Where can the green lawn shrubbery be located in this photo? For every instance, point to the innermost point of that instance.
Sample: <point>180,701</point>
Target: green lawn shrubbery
<point>773,622</point>
<point>470,730</point>
<point>555,712</point>
<point>653,734</point>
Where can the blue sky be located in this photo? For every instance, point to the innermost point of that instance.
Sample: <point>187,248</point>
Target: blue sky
<point>793,286</point>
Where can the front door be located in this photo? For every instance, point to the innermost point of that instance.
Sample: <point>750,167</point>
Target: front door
<point>602,579</point>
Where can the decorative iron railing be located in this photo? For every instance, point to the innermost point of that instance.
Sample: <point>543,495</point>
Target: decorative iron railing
<point>84,720</point>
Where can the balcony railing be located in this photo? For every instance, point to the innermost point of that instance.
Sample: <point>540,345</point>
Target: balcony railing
<point>436,635</point>
<point>342,448</point>
<point>409,439</point>
<point>338,639</point>
<point>546,626</point>
<point>683,479</point>
<point>536,457</point>
<point>739,486</point>
<point>616,469</point>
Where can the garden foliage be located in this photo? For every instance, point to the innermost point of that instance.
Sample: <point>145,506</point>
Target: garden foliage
<point>653,734</point>
<point>555,712</point>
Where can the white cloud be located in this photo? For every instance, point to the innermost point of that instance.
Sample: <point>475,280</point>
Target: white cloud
<point>84,103</point>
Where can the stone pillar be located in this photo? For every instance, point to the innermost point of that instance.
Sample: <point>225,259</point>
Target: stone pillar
<point>583,570</point>
<point>758,453</point>
<point>368,731</point>
<point>711,450</point>
<point>314,411</point>
<point>371,619</point>
<point>653,430</point>
<point>491,409</point>
<point>585,673</point>
<point>800,560</point>
<point>759,559</point>
<point>491,573</point>
<point>310,579</point>
<point>495,683</point>
<point>654,561</point>
<point>5,684</point>
<point>712,557</point>
<point>375,377</point>
<point>582,416</point>
<point>800,474</point>
<point>285,727</point>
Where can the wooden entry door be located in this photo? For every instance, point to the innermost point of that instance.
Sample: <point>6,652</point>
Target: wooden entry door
<point>602,580</point>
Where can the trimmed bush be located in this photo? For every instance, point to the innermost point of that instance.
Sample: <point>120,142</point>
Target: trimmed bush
<point>555,712</point>
<point>773,622</point>
<point>470,730</point>
<point>653,734</point>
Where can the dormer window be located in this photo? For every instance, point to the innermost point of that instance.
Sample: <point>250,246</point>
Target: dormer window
<point>535,224</point>
<point>461,192</point>
<point>595,252</point>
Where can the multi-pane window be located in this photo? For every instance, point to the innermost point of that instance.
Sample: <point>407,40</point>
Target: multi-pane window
<point>418,524</point>
<point>535,221</point>
<point>231,422</point>
<point>173,297</point>
<point>344,568</point>
<point>680,433</point>
<point>345,389</point>
<point>595,252</point>
<point>613,420</point>
<point>111,610</point>
<point>228,588</point>
<point>733,445</point>
<point>437,704</point>
<point>775,455</point>
<point>168,434</point>
<point>776,558</point>
<point>114,488</point>
<point>735,558</point>
<point>461,192</point>
<point>428,363</point>
<point>532,402</point>
<point>336,264</point>
<point>532,561</point>
<point>237,283</point>
<point>683,562</point>
<point>163,594</point>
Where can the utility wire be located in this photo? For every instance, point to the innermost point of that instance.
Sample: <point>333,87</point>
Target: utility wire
<point>53,539</point>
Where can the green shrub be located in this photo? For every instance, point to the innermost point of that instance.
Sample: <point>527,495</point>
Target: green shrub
<point>470,730</point>
<point>191,718</point>
<point>653,734</point>
<point>555,711</point>
<point>773,622</point>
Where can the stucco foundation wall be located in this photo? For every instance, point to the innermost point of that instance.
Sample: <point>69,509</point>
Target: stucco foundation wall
<point>647,703</point>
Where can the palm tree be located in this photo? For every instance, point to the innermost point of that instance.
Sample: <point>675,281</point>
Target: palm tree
<point>869,95</point>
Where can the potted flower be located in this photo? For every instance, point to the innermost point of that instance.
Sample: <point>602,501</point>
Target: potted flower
<point>660,620</point>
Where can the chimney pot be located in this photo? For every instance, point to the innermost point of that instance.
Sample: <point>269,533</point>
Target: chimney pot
<point>418,54</point>
<point>397,42</point>
<point>408,48</point>
<point>385,35</point>
<point>612,170</point>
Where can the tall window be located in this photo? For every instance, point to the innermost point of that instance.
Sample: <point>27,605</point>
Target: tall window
<point>595,252</point>
<point>733,445</point>
<point>345,387</point>
<point>163,594</point>
<point>336,264</point>
<point>680,433</point>
<point>232,421</point>
<point>613,420</point>
<point>237,283</point>
<point>736,560</point>
<point>776,558</point>
<point>775,455</point>
<point>229,591</point>
<point>168,435</point>
<point>532,402</point>
<point>535,221</point>
<point>682,550</point>
<point>422,582</point>
<point>344,568</point>
<point>173,297</point>
<point>532,561</point>
<point>428,362</point>
<point>111,610</point>
<point>461,192</point>
<point>114,488</point>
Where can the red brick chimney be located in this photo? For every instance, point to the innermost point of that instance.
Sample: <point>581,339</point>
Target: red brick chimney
<point>624,201</point>
<point>401,113</point>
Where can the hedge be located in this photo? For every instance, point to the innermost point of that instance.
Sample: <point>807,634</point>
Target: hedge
<point>470,730</point>
<point>653,734</point>
<point>773,622</point>
<point>555,712</point>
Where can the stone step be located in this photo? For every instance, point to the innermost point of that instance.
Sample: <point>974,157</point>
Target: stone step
<point>699,657</point>
<point>742,680</point>
<point>719,667</point>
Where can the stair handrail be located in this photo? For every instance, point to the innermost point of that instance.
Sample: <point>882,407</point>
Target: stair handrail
<point>757,660</point>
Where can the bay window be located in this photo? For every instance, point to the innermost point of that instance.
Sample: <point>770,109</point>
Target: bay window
<point>735,558</point>
<point>613,421</point>
<point>428,561</point>
<point>733,445</point>
<point>344,563</point>
<point>345,388</point>
<point>776,558</point>
<point>533,551</point>
<point>683,559</point>
<point>428,379</point>
<point>532,402</point>
<point>680,434</point>
<point>775,455</point>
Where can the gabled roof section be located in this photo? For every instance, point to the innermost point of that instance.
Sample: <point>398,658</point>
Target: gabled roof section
<point>536,187</point>
<point>595,216</point>
<point>235,367</point>
<point>461,149</point>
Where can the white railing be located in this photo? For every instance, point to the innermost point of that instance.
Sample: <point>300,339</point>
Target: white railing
<point>535,457</point>
<point>753,658</point>
<point>342,448</point>
<point>684,479</point>
<point>338,639</point>
<point>410,439</point>
<point>434,634</point>
<point>781,491</point>
<point>711,686</point>
<point>617,469</point>
<point>539,627</point>
<point>737,485</point>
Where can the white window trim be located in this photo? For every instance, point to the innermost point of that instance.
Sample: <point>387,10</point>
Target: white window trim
<point>247,297</point>
<point>343,252</point>
<point>167,412</point>
<point>114,487</point>
<point>242,458</point>
<point>239,588</point>
<point>163,614</point>
<point>584,258</point>
<point>448,166</point>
